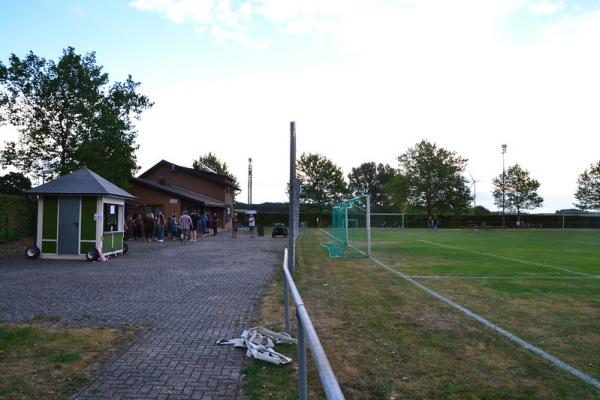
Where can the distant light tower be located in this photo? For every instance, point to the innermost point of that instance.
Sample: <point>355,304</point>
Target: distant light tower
<point>47,171</point>
<point>249,180</point>
<point>503,185</point>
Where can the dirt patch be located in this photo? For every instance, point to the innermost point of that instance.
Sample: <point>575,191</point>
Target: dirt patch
<point>15,247</point>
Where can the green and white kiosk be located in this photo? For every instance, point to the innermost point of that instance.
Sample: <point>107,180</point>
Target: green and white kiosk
<point>79,216</point>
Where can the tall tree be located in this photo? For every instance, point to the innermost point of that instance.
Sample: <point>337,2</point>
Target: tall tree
<point>370,178</point>
<point>433,179</point>
<point>213,163</point>
<point>14,183</point>
<point>321,181</point>
<point>588,188</point>
<point>398,190</point>
<point>68,116</point>
<point>520,190</point>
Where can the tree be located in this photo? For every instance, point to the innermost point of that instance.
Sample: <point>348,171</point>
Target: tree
<point>588,188</point>
<point>321,181</point>
<point>433,179</point>
<point>14,183</point>
<point>214,164</point>
<point>520,190</point>
<point>371,178</point>
<point>398,191</point>
<point>69,115</point>
<point>480,210</point>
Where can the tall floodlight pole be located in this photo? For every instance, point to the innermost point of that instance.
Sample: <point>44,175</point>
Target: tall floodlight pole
<point>503,185</point>
<point>249,181</point>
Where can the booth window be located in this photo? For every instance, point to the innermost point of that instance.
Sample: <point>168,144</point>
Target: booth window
<point>111,217</point>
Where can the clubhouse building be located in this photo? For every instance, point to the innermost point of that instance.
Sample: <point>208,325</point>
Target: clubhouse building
<point>170,188</point>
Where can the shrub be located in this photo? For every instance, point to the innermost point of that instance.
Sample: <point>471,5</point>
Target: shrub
<point>16,217</point>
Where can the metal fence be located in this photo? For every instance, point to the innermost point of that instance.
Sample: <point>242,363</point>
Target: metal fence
<point>306,333</point>
<point>307,336</point>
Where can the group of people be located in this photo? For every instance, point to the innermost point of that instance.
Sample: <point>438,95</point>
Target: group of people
<point>235,225</point>
<point>187,227</point>
<point>433,222</point>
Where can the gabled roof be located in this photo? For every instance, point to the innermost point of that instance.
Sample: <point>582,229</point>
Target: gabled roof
<point>177,191</point>
<point>203,173</point>
<point>84,182</point>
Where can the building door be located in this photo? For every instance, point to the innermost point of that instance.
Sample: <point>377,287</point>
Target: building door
<point>68,225</point>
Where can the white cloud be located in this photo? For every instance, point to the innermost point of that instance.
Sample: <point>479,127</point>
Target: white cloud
<point>223,35</point>
<point>545,7</point>
<point>78,12</point>
<point>217,16</point>
<point>179,11</point>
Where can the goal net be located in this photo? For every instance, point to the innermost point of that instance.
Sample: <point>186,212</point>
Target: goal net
<point>387,220</point>
<point>350,233</point>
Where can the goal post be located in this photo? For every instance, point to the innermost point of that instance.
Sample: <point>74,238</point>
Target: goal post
<point>388,220</point>
<point>350,232</point>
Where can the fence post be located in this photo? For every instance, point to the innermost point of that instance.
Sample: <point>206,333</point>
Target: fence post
<point>368,225</point>
<point>302,370</point>
<point>293,199</point>
<point>286,296</point>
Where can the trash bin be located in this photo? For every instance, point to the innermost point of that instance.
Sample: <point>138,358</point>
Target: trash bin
<point>261,230</point>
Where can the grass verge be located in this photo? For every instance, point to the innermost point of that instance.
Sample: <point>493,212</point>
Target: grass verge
<point>51,362</point>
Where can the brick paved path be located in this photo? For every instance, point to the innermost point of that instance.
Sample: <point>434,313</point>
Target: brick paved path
<point>185,295</point>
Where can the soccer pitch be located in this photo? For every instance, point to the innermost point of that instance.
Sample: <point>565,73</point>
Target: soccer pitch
<point>542,286</point>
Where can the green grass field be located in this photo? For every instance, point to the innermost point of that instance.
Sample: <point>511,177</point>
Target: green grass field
<point>388,339</point>
<point>541,285</point>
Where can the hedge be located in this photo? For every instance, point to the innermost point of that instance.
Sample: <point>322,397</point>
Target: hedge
<point>16,217</point>
<point>447,221</point>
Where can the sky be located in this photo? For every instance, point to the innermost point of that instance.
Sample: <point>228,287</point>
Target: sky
<point>363,79</point>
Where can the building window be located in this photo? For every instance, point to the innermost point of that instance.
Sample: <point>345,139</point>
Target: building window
<point>111,217</point>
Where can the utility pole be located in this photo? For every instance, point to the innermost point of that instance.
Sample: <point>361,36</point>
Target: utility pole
<point>249,181</point>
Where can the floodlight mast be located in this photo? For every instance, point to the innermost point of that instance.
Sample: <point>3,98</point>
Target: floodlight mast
<point>503,185</point>
<point>249,181</point>
<point>474,186</point>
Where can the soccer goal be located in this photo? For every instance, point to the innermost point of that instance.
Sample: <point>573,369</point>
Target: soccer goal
<point>350,233</point>
<point>387,220</point>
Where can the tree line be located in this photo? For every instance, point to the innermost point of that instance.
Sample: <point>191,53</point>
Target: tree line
<point>428,179</point>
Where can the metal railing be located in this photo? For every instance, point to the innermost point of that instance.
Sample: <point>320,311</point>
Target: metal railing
<point>307,335</point>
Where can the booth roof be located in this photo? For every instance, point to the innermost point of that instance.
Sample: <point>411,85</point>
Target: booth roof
<point>83,182</point>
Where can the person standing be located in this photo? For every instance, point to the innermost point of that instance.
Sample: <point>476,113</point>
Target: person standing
<point>149,227</point>
<point>215,223</point>
<point>185,224</point>
<point>161,227</point>
<point>128,228</point>
<point>209,222</point>
<point>234,225</point>
<point>195,218</point>
<point>170,226</point>
<point>252,225</point>
<point>138,226</point>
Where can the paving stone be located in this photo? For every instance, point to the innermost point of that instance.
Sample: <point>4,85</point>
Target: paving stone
<point>185,297</point>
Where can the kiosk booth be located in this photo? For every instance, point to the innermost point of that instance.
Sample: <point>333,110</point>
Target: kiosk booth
<point>79,216</point>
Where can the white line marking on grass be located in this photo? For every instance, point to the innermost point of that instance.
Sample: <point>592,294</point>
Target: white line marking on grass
<point>459,277</point>
<point>574,371</point>
<point>581,375</point>
<point>508,258</point>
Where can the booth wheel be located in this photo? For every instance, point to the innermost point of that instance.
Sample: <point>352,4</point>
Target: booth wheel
<point>32,252</point>
<point>125,248</point>
<point>92,255</point>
